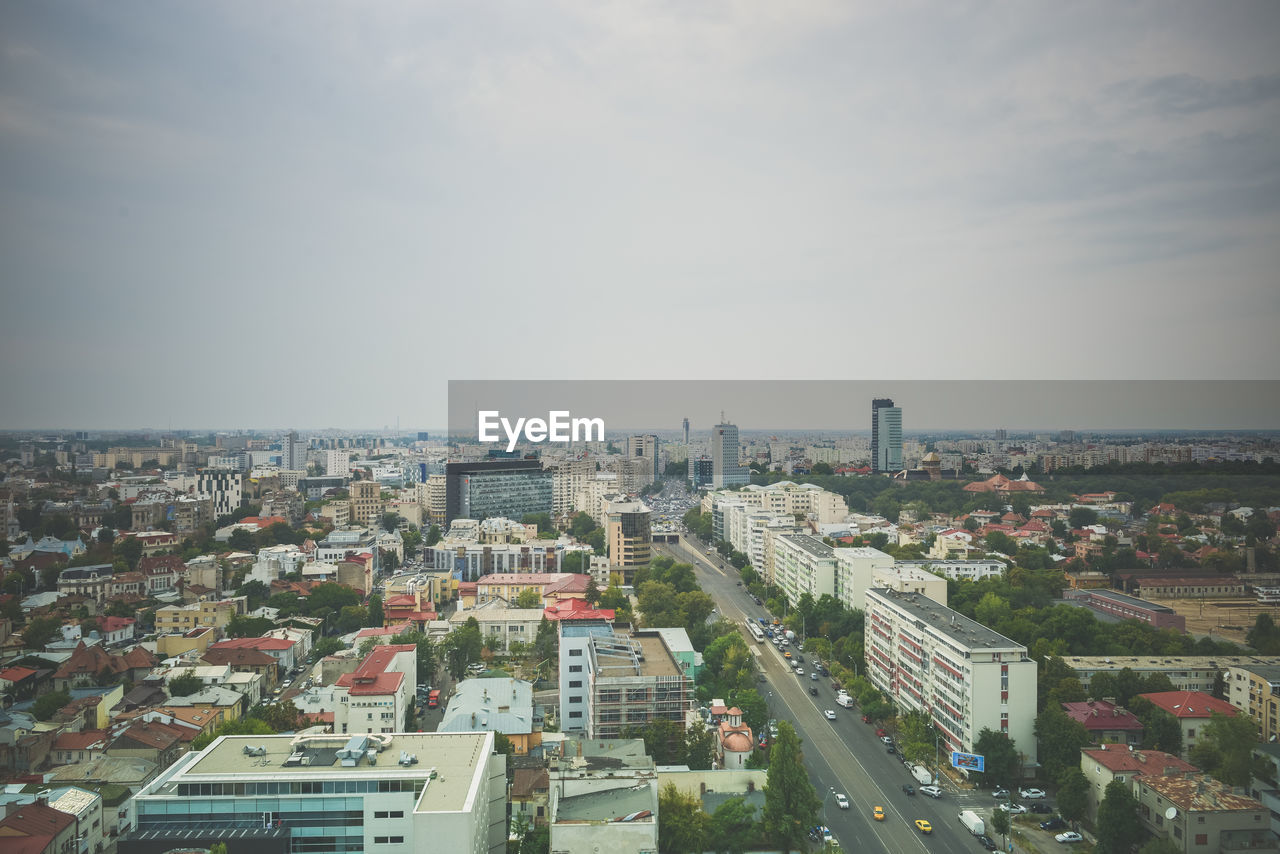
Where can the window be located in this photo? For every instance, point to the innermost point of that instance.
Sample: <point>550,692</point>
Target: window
<point>575,683</point>
<point>575,668</point>
<point>1202,839</point>
<point>577,699</point>
<point>1191,733</point>
<point>575,714</point>
<point>574,653</point>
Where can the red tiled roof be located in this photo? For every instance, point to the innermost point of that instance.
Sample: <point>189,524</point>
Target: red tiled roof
<point>35,821</point>
<point>115,624</point>
<point>1102,716</point>
<point>254,643</point>
<point>16,674</point>
<point>86,740</point>
<point>1117,757</point>
<point>576,609</point>
<point>371,677</point>
<point>1190,704</point>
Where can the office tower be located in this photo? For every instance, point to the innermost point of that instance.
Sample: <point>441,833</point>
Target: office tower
<point>701,472</point>
<point>627,528</point>
<point>726,470</point>
<point>645,447</point>
<point>686,431</point>
<point>886,436</point>
<point>510,488</point>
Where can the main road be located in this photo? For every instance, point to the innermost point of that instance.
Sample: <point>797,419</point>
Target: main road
<point>843,755</point>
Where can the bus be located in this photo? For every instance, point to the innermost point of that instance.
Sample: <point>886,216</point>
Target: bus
<point>757,633</point>
<point>433,699</point>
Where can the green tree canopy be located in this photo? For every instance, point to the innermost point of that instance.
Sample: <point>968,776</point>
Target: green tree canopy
<point>1118,829</point>
<point>1225,748</point>
<point>1061,739</point>
<point>48,705</point>
<point>1001,758</point>
<point>682,825</point>
<point>1073,794</point>
<point>528,598</point>
<point>185,685</point>
<point>790,803</point>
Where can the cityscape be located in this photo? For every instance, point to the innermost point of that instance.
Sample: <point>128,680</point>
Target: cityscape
<point>327,641</point>
<point>639,428</point>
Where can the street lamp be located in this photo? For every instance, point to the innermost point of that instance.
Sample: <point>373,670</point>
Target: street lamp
<point>831,790</point>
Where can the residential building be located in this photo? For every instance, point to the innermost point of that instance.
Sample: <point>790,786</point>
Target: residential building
<point>225,488</point>
<point>469,559</point>
<point>499,705</point>
<point>604,796</point>
<point>365,502</point>
<point>886,436</point>
<point>1255,690</point>
<point>179,619</point>
<point>630,680</point>
<point>645,447</point>
<point>701,472</point>
<point>964,676</point>
<point>860,568</point>
<point>959,570</point>
<point>1192,710</point>
<point>804,564</point>
<point>1186,672</point>
<point>726,467</point>
<point>509,586</point>
<point>377,695</point>
<point>1106,722</point>
<point>627,533</point>
<point>91,582</point>
<point>1100,765</point>
<point>511,488</point>
<point>1198,814</point>
<point>394,793</point>
<point>337,463</point>
<point>501,626</point>
<point>38,828</point>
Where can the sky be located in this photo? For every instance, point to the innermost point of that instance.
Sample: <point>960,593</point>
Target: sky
<point>316,214</point>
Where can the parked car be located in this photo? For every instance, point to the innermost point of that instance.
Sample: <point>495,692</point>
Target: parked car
<point>1055,823</point>
<point>986,842</point>
<point>1000,793</point>
<point>1013,809</point>
<point>1041,807</point>
<point>885,739</point>
<point>891,750</point>
<point>1031,794</point>
<point>1069,836</point>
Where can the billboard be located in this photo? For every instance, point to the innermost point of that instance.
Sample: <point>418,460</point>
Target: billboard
<point>968,761</point>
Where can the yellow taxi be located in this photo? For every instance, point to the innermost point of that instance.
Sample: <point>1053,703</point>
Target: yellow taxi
<point>878,813</point>
<point>923,826</point>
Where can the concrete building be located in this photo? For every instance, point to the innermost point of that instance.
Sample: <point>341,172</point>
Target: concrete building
<point>804,564</point>
<point>394,793</point>
<point>726,468</point>
<point>1125,607</point>
<point>604,797</point>
<point>567,477</point>
<point>1192,709</point>
<point>645,447</point>
<point>1106,722</point>
<point>1186,672</point>
<point>627,532</point>
<point>1100,765</point>
<point>929,658</point>
<point>225,488</point>
<point>375,698</point>
<point>365,502</point>
<point>1254,689</point>
<point>501,626</point>
<point>886,436</point>
<point>959,570</point>
<point>1200,815</point>
<point>701,472</point>
<point>495,705</point>
<point>511,488</point>
<point>861,568</point>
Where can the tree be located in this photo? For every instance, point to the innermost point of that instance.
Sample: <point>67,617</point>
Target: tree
<point>257,592</point>
<point>326,646</point>
<point>40,631</point>
<point>503,744</point>
<point>1073,794</point>
<point>1061,738</point>
<point>218,848</point>
<point>248,627</point>
<point>462,647</point>
<point>581,525</point>
<point>682,825</point>
<point>536,840</point>
<point>1225,748</point>
<point>433,536</point>
<point>1160,730</point>
<point>529,598</point>
<point>733,826</point>
<point>790,802</point>
<point>577,562</point>
<point>1081,516</point>
<point>48,705</point>
<point>390,521</point>
<point>426,653</point>
<point>593,592</point>
<point>1000,823</point>
<point>240,540</point>
<point>1118,828</point>
<point>1002,762</point>
<point>1159,846</point>
<point>185,685</point>
<point>129,550</point>
<point>699,748</point>
<point>374,616</point>
<point>247,725</point>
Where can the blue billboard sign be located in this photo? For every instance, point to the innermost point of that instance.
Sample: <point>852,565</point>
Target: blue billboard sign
<point>968,761</point>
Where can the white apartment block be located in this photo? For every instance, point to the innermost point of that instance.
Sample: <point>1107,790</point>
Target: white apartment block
<point>960,570</point>
<point>375,698</point>
<point>803,564</point>
<point>860,569</point>
<point>337,463</point>
<point>929,658</point>
<point>1186,672</point>
<point>224,487</point>
<point>787,498</point>
<point>567,477</point>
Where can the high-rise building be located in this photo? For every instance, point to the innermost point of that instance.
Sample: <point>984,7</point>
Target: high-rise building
<point>646,448</point>
<point>686,431</point>
<point>726,468</point>
<point>886,436</point>
<point>510,488</point>
<point>701,472</point>
<point>627,527</point>
<point>365,501</point>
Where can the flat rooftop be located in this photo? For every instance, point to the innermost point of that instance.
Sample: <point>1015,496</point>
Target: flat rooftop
<point>812,545</point>
<point>1164,662</point>
<point>1131,601</point>
<point>455,757</point>
<point>946,621</point>
<point>611,805</point>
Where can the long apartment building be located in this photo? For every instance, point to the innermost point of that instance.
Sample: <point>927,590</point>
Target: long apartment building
<point>805,564</point>
<point>611,681</point>
<point>1186,672</point>
<point>392,794</point>
<point>965,677</point>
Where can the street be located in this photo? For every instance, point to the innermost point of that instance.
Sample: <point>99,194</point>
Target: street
<point>844,754</point>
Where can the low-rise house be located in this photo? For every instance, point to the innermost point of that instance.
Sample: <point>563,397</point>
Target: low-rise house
<point>92,582</point>
<point>283,650</point>
<point>1100,765</point>
<point>1192,709</point>
<point>1106,722</point>
<point>1197,813</point>
<point>498,705</point>
<point>248,661</point>
<point>90,665</point>
<point>38,829</point>
<point>530,795</point>
<point>81,746</point>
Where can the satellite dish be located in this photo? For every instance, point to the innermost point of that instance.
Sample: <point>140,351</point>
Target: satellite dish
<point>1171,813</point>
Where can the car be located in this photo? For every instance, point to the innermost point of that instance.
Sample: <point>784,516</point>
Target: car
<point>286,684</point>
<point>813,677</point>
<point>1069,836</point>
<point>739,583</point>
<point>908,789</point>
<point>813,690</point>
<point>799,671</point>
<point>1031,794</point>
<point>1055,823</point>
<point>830,713</point>
<point>757,598</point>
<point>1013,809</point>
<point>923,826</point>
<point>987,842</point>
<point>931,791</point>
<point>880,731</point>
<point>787,654</point>
<point>842,801</point>
<point>799,657</point>
<point>1000,793</point>
<point>891,750</point>
<point>885,739</point>
<point>1041,807</point>
<point>877,813</point>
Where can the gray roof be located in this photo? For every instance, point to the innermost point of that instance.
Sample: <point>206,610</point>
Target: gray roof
<point>953,624</point>
<point>500,705</point>
<point>608,805</point>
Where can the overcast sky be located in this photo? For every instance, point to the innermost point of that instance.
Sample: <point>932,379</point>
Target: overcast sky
<point>315,214</point>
